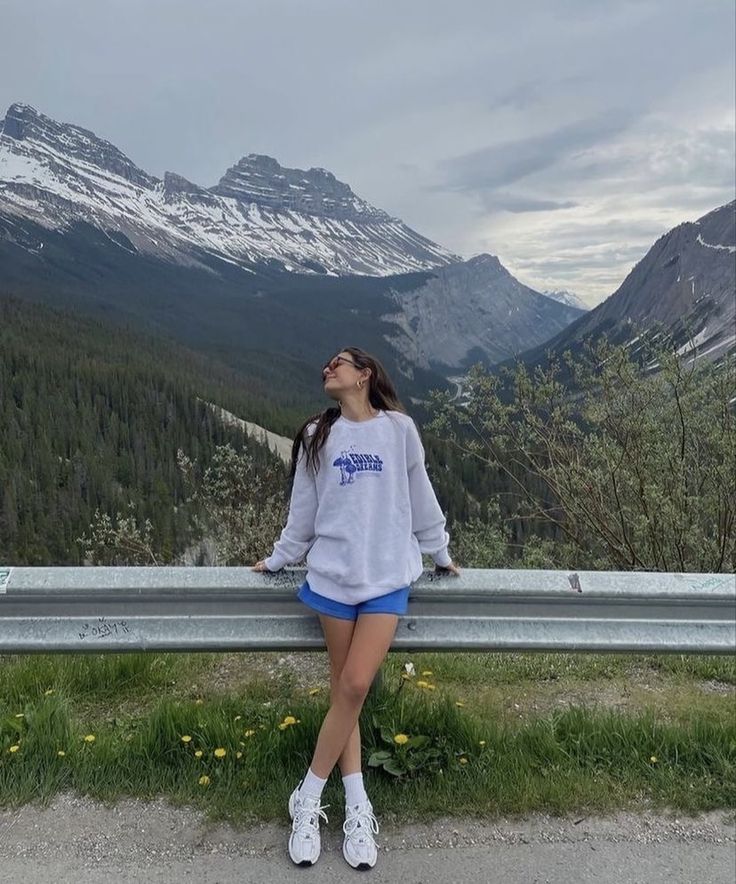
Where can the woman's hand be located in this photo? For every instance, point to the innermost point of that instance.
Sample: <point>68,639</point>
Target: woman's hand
<point>452,568</point>
<point>260,566</point>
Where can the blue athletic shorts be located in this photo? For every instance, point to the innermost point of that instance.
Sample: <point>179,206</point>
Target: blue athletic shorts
<point>395,602</point>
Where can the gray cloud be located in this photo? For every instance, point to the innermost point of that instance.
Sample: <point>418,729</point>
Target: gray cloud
<point>502,164</point>
<point>517,203</point>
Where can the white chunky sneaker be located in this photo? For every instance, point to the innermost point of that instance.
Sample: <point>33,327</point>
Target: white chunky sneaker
<point>358,846</point>
<point>304,841</point>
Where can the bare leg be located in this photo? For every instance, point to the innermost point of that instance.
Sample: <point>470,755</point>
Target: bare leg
<point>338,636</point>
<point>371,640</point>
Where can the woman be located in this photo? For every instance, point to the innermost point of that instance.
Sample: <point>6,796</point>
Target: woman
<point>363,506</point>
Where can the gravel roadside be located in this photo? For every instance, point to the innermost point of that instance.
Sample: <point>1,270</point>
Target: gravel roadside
<point>76,838</point>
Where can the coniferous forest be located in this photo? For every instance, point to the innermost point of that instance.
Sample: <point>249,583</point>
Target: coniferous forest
<point>92,417</point>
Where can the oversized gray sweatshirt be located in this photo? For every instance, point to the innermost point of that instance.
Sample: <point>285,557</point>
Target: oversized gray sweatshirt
<point>368,515</point>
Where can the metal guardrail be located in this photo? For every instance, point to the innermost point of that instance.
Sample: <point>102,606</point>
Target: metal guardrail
<point>96,609</point>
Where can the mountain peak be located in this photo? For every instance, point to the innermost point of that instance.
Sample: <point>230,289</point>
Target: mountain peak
<point>257,178</point>
<point>27,126</point>
<point>21,120</point>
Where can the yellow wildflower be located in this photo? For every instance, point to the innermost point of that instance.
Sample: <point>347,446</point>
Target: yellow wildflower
<point>237,718</point>
<point>289,719</point>
<point>481,742</point>
<point>186,739</point>
<point>49,691</point>
<point>238,754</point>
<point>400,739</point>
<point>314,691</point>
<point>61,753</point>
<point>90,738</point>
<point>463,760</point>
<point>220,753</point>
<point>249,733</point>
<point>198,701</point>
<point>653,759</point>
<point>430,687</point>
<point>14,748</point>
<point>204,780</point>
<point>427,672</point>
<point>459,703</point>
<point>198,753</point>
<point>422,684</point>
<point>20,715</point>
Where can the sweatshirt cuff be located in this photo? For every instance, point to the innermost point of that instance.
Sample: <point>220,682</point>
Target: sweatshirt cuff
<point>274,562</point>
<point>442,558</point>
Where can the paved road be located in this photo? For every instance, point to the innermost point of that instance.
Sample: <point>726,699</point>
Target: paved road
<point>76,840</point>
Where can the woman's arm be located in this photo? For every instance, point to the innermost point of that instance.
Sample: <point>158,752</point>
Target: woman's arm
<point>298,533</point>
<point>427,519</point>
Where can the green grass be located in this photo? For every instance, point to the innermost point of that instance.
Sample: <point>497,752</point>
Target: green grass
<point>493,757</point>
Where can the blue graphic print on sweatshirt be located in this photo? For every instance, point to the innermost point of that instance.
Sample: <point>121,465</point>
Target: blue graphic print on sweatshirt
<point>350,463</point>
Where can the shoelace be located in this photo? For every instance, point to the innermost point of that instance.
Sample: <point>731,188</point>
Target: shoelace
<point>363,820</point>
<point>308,817</point>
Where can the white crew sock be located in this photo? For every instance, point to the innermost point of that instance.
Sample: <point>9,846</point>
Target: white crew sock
<point>312,785</point>
<point>354,789</point>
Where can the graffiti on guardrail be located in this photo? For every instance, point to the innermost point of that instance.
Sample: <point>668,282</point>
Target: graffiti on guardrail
<point>575,582</point>
<point>5,578</point>
<point>104,628</point>
<point>712,582</point>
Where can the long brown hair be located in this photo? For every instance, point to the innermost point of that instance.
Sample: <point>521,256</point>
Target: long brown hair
<point>381,394</point>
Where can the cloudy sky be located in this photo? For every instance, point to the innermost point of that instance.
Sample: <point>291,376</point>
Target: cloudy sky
<point>564,136</point>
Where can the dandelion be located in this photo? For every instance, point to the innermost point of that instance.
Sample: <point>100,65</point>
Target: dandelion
<point>249,733</point>
<point>314,691</point>
<point>198,753</point>
<point>61,753</point>
<point>186,739</point>
<point>653,759</point>
<point>49,691</point>
<point>204,780</point>
<point>400,739</point>
<point>289,719</point>
<point>422,684</point>
<point>459,703</point>
<point>427,672</point>
<point>463,760</point>
<point>481,742</point>
<point>238,754</point>
<point>20,715</point>
<point>220,753</point>
<point>90,738</point>
<point>237,718</point>
<point>14,748</point>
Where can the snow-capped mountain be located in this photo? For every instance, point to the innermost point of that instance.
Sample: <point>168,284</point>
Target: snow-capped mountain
<point>685,287</point>
<point>566,297</point>
<point>56,174</point>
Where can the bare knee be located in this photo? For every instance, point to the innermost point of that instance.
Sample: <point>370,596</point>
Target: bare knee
<point>352,687</point>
